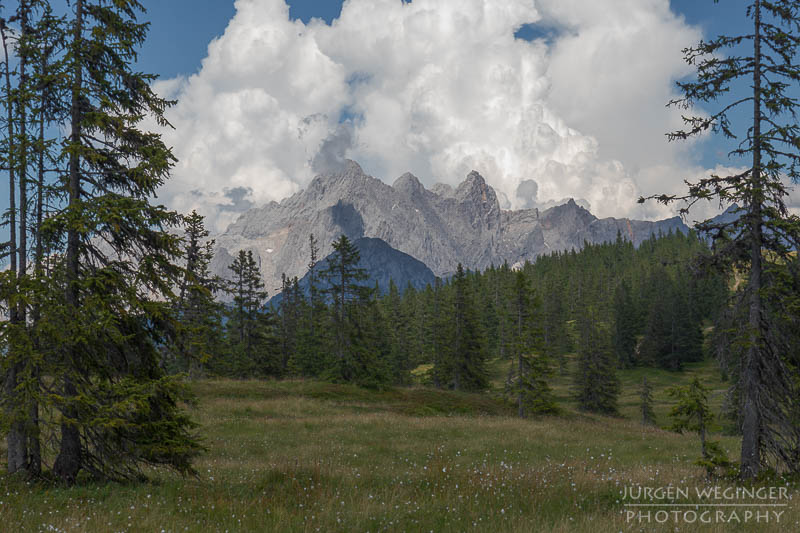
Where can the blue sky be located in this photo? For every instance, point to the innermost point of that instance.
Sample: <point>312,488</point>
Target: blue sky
<point>175,49</point>
<point>583,133</point>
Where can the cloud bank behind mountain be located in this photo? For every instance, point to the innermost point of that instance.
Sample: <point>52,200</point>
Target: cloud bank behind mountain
<point>437,88</point>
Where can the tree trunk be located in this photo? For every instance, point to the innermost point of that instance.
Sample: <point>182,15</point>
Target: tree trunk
<point>435,340</point>
<point>750,378</point>
<point>34,446</point>
<point>31,429</point>
<point>520,406</point>
<point>68,462</point>
<point>22,311</point>
<point>16,436</point>
<point>520,362</point>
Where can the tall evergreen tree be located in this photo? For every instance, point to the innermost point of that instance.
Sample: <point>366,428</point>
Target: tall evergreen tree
<point>467,364</point>
<point>438,326</point>
<point>398,326</point>
<point>625,326</point>
<point>253,347</point>
<point>118,411</point>
<point>199,315</point>
<point>596,382</point>
<point>765,59</point>
<point>531,364</point>
<point>14,361</point>
<point>673,335</point>
<point>311,344</point>
<point>691,412</point>
<point>36,37</point>
<point>289,311</point>
<point>349,297</point>
<point>46,46</point>
<point>646,403</point>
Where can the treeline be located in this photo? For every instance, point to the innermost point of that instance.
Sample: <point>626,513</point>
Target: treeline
<point>613,305</point>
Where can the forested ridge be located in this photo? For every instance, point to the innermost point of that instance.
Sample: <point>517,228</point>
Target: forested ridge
<point>615,305</point>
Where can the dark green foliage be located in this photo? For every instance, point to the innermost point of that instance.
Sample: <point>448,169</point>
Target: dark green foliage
<point>673,335</point>
<point>691,413</point>
<point>759,70</point>
<point>32,85</point>
<point>312,335</point>
<point>619,282</point>
<point>531,367</point>
<point>625,326</point>
<point>100,298</point>
<point>463,364</point>
<point>646,403</point>
<point>410,330</point>
<point>437,343</point>
<point>289,322</point>
<point>596,382</point>
<point>199,315</point>
<point>397,334</point>
<point>352,309</point>
<point>252,346</point>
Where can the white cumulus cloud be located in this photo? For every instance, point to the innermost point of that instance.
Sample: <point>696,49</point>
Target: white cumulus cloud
<point>438,88</point>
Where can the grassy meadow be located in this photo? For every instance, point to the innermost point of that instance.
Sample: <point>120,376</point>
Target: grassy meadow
<point>309,456</point>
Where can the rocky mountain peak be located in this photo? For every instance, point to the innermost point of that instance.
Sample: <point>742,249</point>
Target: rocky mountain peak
<point>475,193</point>
<point>570,211</point>
<point>475,187</point>
<point>473,181</point>
<point>407,184</point>
<point>441,227</point>
<point>351,168</point>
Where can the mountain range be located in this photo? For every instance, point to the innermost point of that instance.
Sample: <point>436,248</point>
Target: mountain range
<point>438,227</point>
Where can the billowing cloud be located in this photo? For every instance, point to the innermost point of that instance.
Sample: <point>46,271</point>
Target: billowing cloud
<point>332,153</point>
<point>437,88</point>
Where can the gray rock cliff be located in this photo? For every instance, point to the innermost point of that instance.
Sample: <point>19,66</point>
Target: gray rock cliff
<point>440,227</point>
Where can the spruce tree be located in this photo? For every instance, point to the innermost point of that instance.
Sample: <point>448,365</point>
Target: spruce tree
<point>673,335</point>
<point>691,412</point>
<point>556,339</point>
<point>12,328</point>
<point>45,44</point>
<point>308,359</point>
<point>762,64</point>
<point>646,403</point>
<point>467,362</point>
<point>529,361</point>
<point>439,348</point>
<point>105,311</point>
<point>413,313</point>
<point>625,326</point>
<point>658,347</point>
<point>350,297</point>
<point>33,37</point>
<point>288,319</point>
<point>596,383</point>
<point>252,344</point>
<point>199,315</point>
<point>397,334</point>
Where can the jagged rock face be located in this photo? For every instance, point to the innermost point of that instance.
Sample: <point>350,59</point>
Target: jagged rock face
<point>440,227</point>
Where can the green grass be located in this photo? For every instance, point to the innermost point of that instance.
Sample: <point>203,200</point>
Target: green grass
<point>310,456</point>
